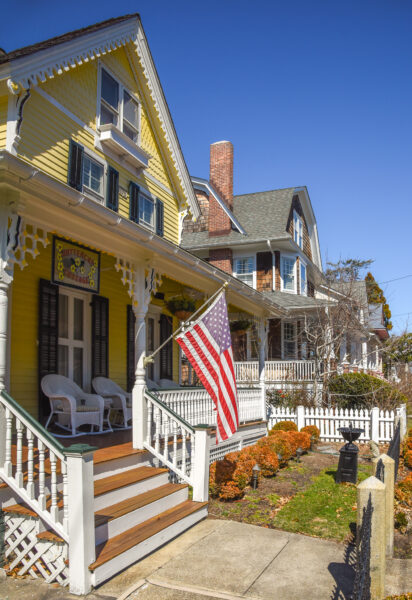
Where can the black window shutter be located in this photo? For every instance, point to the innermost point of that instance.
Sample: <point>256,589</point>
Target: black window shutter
<point>159,217</point>
<point>48,337</point>
<point>131,321</point>
<point>166,353</point>
<point>75,171</point>
<point>134,202</point>
<point>100,336</point>
<point>112,189</point>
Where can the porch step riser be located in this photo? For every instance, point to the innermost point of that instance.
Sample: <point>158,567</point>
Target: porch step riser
<point>125,522</point>
<point>119,465</point>
<point>128,491</point>
<point>136,553</point>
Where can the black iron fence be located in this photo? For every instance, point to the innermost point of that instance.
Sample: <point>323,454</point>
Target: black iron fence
<point>395,447</point>
<point>362,584</point>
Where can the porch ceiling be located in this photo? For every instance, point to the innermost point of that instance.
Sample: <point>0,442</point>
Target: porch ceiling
<point>56,207</point>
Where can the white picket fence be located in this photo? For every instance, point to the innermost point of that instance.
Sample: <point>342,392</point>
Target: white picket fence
<point>378,424</point>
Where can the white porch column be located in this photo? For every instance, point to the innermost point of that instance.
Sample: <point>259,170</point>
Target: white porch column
<point>262,336</point>
<point>344,351</point>
<point>140,304</point>
<point>364,363</point>
<point>5,281</point>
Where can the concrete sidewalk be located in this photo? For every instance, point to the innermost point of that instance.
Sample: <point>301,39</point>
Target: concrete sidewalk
<point>230,560</point>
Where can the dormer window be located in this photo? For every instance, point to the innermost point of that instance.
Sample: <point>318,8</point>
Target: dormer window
<point>297,229</point>
<point>118,107</point>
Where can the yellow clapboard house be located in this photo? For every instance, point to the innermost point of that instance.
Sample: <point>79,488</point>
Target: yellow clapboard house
<point>93,192</point>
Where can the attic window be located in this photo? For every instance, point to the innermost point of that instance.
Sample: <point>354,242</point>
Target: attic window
<point>118,107</point>
<point>297,229</point>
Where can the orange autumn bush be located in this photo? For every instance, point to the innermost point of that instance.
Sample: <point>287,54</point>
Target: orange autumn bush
<point>312,430</point>
<point>229,477</point>
<point>407,459</point>
<point>279,443</point>
<point>284,426</point>
<point>403,491</point>
<point>264,456</point>
<point>299,439</point>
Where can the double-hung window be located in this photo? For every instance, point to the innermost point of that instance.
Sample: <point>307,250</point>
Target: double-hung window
<point>244,268</point>
<point>92,176</point>
<point>297,229</point>
<point>303,279</point>
<point>146,211</point>
<point>118,107</point>
<point>289,341</point>
<point>288,274</point>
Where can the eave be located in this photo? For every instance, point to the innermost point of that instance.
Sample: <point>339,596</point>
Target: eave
<point>45,201</point>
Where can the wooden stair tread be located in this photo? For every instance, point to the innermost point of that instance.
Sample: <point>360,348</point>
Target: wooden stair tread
<point>20,509</point>
<point>114,452</point>
<point>126,540</point>
<point>50,536</point>
<point>114,482</point>
<point>125,506</point>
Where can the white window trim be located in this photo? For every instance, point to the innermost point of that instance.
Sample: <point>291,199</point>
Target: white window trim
<point>253,257</point>
<point>282,287</point>
<point>145,192</point>
<point>302,263</point>
<point>122,87</point>
<point>88,191</point>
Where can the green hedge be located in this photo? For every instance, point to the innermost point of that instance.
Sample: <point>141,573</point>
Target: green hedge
<point>359,390</point>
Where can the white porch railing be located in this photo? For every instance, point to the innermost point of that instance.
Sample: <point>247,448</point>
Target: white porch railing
<point>378,424</point>
<point>34,478</point>
<point>178,445</point>
<point>196,407</point>
<point>276,370</point>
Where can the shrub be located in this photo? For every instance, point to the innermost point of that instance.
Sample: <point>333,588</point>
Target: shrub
<point>284,426</point>
<point>313,431</point>
<point>279,442</point>
<point>360,390</point>
<point>401,522</point>
<point>229,477</point>
<point>407,457</point>
<point>291,398</point>
<point>403,491</point>
<point>299,439</point>
<point>265,457</point>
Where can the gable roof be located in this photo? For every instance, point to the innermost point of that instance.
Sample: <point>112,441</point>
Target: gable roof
<point>34,64</point>
<point>262,215</point>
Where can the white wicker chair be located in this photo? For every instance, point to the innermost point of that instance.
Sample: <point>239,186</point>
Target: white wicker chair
<point>72,406</point>
<point>120,400</point>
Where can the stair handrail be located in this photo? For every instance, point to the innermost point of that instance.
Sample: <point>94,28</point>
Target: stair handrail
<point>31,423</point>
<point>56,519</point>
<point>162,454</point>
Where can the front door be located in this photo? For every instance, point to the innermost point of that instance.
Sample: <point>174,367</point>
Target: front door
<point>73,357</point>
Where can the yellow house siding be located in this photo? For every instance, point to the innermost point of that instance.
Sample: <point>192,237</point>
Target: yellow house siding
<point>3,120</point>
<point>76,91</point>
<point>24,326</point>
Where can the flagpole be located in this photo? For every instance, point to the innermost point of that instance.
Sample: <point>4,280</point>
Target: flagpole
<point>149,359</point>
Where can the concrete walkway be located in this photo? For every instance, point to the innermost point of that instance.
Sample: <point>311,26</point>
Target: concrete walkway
<point>230,560</point>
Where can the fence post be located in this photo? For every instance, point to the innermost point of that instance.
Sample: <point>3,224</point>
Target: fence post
<point>375,424</point>
<point>401,413</point>
<point>300,413</point>
<point>389,481</point>
<point>82,550</point>
<point>376,489</point>
<point>201,464</point>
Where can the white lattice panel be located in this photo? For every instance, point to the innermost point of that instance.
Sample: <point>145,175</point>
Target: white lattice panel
<point>38,558</point>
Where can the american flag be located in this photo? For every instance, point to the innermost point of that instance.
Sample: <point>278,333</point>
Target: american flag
<point>208,347</point>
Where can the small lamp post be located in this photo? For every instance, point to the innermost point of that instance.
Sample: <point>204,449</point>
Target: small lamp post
<point>255,476</point>
<point>299,453</point>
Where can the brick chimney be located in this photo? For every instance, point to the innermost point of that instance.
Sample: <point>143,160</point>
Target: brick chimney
<point>221,177</point>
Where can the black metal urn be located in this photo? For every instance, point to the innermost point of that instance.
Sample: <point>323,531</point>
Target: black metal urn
<point>348,459</point>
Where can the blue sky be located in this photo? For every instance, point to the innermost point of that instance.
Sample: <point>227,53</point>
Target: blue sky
<point>310,93</point>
